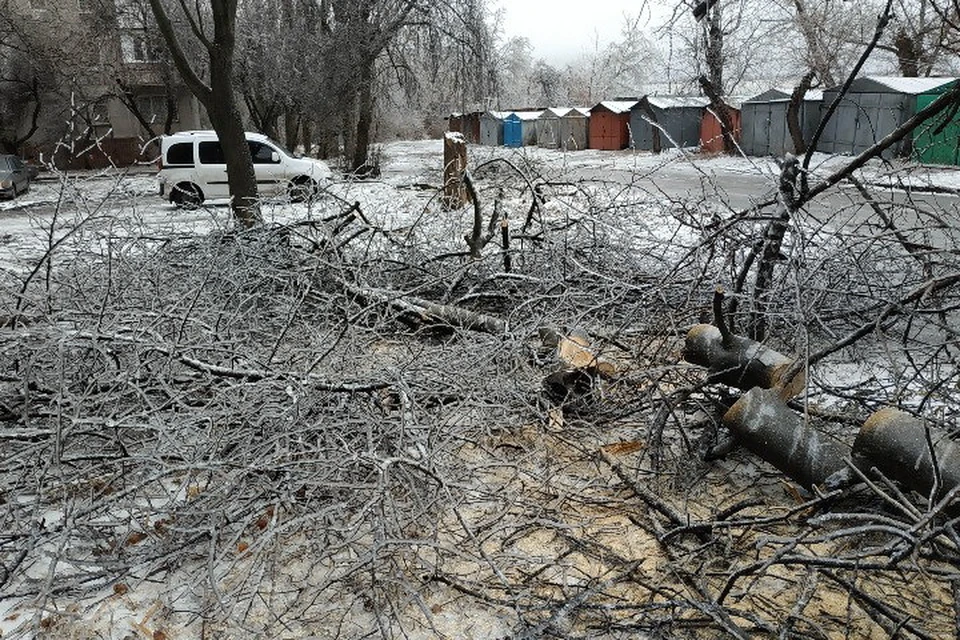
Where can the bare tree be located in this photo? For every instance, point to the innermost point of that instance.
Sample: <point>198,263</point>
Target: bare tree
<point>825,28</point>
<point>217,92</point>
<point>48,71</point>
<point>918,39</point>
<point>728,43</point>
<point>22,89</point>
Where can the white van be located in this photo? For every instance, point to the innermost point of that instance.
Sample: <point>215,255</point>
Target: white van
<point>192,169</point>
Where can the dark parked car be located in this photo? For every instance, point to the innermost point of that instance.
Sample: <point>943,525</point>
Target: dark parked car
<point>15,176</point>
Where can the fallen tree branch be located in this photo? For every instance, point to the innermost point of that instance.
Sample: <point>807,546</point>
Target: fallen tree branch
<point>248,375</point>
<point>430,312</point>
<point>738,361</point>
<point>762,422</point>
<point>868,602</point>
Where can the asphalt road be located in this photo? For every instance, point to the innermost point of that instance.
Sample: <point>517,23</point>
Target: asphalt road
<point>731,184</point>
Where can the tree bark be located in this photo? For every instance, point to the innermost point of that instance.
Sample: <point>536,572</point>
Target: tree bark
<point>228,123</point>
<point>291,128</point>
<point>900,446</point>
<point>719,107</point>
<point>361,166</point>
<point>761,421</point>
<point>454,164</point>
<point>713,45</point>
<point>793,113</point>
<point>770,254</point>
<point>738,361</point>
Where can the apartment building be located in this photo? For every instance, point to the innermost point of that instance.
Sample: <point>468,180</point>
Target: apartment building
<point>108,87</point>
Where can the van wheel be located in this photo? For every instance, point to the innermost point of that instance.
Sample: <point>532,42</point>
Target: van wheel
<point>302,189</point>
<point>186,196</point>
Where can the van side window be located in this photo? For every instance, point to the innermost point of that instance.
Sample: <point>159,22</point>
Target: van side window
<point>262,153</point>
<point>211,153</point>
<point>180,153</point>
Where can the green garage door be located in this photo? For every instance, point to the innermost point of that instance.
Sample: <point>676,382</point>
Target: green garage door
<point>934,143</point>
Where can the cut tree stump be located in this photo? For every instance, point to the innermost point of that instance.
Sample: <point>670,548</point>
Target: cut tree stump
<point>763,423</point>
<point>896,443</point>
<point>454,164</point>
<point>580,366</point>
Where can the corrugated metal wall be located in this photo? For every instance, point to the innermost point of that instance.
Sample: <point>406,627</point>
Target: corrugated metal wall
<point>862,119</point>
<point>548,130</point>
<point>682,125</point>
<point>609,131</point>
<point>512,131</point>
<point>491,130</point>
<point>764,130</point>
<point>711,131</point>
<point>933,146</point>
<point>574,132</point>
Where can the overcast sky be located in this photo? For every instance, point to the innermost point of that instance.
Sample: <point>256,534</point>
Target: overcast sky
<point>560,30</point>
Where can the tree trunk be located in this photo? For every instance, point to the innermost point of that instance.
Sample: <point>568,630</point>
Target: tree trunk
<point>761,421</point>
<point>228,123</point>
<point>348,131</point>
<point>793,113</point>
<point>909,54</point>
<point>719,107</point>
<point>291,129</point>
<point>327,143</point>
<point>306,134</point>
<point>713,45</point>
<point>900,446</point>
<point>772,243</point>
<point>361,166</point>
<point>454,164</point>
<point>738,361</point>
<point>219,99</point>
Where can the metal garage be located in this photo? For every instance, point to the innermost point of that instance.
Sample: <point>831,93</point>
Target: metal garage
<point>679,119</point>
<point>872,108</point>
<point>938,140</point>
<point>763,122</point>
<point>491,128</point>
<point>610,124</point>
<point>520,128</point>
<point>564,128</point>
<point>711,131</point>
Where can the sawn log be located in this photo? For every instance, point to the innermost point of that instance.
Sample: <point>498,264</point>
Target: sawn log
<point>763,423</point>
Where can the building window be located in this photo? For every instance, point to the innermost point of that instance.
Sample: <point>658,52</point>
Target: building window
<point>98,113</point>
<point>154,109</point>
<point>137,47</point>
